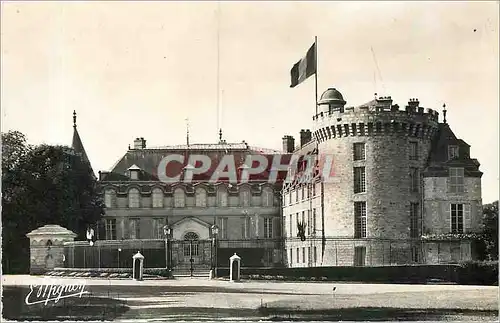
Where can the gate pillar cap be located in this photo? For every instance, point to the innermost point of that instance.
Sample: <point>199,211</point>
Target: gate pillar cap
<point>138,256</point>
<point>235,257</point>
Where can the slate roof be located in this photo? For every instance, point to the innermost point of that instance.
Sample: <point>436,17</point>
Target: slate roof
<point>148,160</point>
<point>438,162</point>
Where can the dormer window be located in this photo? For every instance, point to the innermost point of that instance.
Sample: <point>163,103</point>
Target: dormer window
<point>133,172</point>
<point>452,152</point>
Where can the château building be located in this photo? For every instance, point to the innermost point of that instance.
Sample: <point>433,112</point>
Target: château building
<point>405,188</point>
<point>139,207</point>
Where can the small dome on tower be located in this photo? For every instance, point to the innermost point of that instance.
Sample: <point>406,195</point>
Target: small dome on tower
<point>332,96</point>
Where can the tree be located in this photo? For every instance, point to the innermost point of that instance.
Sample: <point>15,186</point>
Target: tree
<point>43,185</point>
<point>490,230</point>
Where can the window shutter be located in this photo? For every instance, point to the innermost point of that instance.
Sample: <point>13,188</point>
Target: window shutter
<point>467,217</point>
<point>276,228</point>
<point>447,212</point>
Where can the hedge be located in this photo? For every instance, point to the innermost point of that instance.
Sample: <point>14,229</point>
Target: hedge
<point>478,273</point>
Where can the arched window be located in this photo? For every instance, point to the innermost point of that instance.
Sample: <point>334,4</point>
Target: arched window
<point>267,197</point>
<point>157,196</point>
<point>179,198</point>
<point>134,197</point>
<point>109,198</point>
<point>201,197</point>
<point>222,197</point>
<point>244,197</point>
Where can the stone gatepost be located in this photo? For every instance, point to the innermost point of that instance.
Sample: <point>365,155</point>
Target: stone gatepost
<point>47,247</point>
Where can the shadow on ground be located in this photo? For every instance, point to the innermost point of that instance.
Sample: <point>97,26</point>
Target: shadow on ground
<point>86,308</point>
<point>376,314</point>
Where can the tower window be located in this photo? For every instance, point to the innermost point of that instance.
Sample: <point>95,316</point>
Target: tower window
<point>359,180</point>
<point>414,220</point>
<point>413,151</point>
<point>359,219</point>
<point>359,151</point>
<point>414,179</point>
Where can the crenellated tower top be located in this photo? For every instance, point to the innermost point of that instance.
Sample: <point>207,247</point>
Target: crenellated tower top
<point>376,117</point>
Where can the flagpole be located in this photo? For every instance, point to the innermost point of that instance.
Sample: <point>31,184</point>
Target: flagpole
<point>316,74</point>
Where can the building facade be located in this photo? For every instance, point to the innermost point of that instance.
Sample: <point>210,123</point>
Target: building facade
<point>405,189</point>
<point>141,207</point>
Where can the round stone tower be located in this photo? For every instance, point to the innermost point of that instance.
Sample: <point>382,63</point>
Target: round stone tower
<point>373,205</point>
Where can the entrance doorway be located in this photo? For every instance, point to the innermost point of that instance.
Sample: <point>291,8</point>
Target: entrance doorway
<point>191,248</point>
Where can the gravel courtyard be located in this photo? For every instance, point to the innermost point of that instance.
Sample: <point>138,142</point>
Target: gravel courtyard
<point>199,299</point>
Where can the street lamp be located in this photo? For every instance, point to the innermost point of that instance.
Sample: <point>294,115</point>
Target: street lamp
<point>167,231</point>
<point>215,232</point>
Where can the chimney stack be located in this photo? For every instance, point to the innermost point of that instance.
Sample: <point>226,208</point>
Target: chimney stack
<point>139,143</point>
<point>288,144</point>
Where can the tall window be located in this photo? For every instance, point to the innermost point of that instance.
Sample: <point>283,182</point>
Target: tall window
<point>111,229</point>
<point>413,150</point>
<point>291,256</point>
<point>302,193</point>
<point>267,197</point>
<point>303,216</point>
<point>222,197</point>
<point>245,197</point>
<point>201,197</point>
<point>179,198</point>
<point>360,219</point>
<point>157,196</point>
<point>309,190</point>
<point>359,180</point>
<point>109,198</point>
<point>298,255</point>
<point>456,180</point>
<point>314,222</point>
<point>134,197</point>
<point>359,151</point>
<point>246,224</point>
<point>414,179</point>
<point>457,218</point>
<point>222,228</point>
<point>314,189</point>
<point>452,152</point>
<point>291,228</point>
<point>158,224</point>
<point>309,220</point>
<point>414,220</point>
<point>134,229</point>
<point>268,227</point>
<point>303,255</point>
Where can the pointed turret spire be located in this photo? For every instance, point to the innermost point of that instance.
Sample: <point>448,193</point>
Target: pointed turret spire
<point>444,112</point>
<point>77,144</point>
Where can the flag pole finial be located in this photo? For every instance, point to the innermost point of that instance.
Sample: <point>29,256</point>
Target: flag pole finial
<point>74,118</point>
